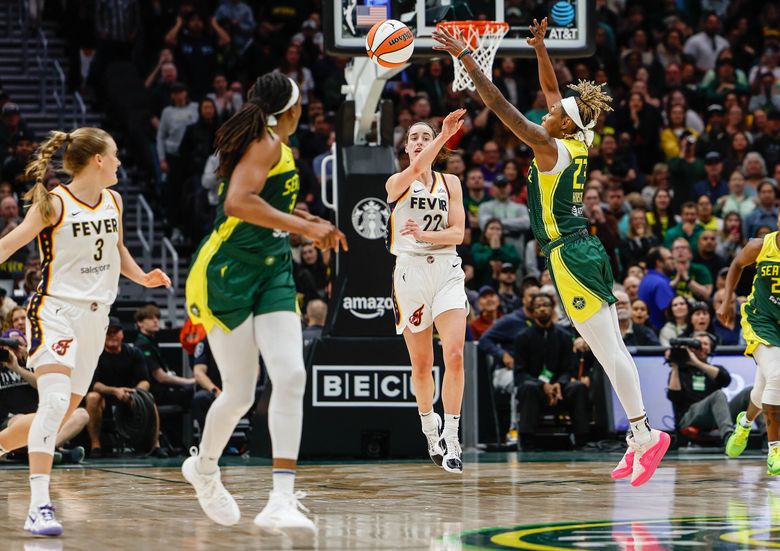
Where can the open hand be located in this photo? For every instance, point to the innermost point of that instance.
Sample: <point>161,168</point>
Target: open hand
<point>453,45</point>
<point>538,30</point>
<point>156,278</point>
<point>452,122</point>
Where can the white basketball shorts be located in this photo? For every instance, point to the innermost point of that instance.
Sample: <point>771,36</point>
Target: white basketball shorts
<point>424,287</point>
<point>69,333</point>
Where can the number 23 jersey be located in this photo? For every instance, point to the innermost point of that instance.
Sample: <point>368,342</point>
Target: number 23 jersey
<point>80,252</point>
<point>429,208</point>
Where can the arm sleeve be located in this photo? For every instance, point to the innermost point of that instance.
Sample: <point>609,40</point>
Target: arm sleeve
<point>520,221</point>
<point>564,159</point>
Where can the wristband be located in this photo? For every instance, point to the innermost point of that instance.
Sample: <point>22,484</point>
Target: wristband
<point>465,51</point>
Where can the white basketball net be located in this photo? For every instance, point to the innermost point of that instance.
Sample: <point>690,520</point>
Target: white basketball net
<point>484,39</point>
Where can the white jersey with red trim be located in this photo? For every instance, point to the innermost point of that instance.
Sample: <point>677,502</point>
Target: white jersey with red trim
<point>80,252</point>
<point>429,208</point>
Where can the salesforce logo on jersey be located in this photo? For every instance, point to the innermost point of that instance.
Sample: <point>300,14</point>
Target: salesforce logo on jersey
<point>367,308</point>
<point>366,386</point>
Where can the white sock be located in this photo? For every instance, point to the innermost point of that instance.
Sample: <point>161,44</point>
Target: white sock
<point>775,444</point>
<point>39,487</point>
<point>284,480</point>
<point>641,431</point>
<point>451,424</point>
<point>428,420</point>
<point>208,465</point>
<point>745,422</point>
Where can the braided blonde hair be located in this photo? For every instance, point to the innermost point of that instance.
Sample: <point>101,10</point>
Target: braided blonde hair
<point>591,100</point>
<point>80,146</point>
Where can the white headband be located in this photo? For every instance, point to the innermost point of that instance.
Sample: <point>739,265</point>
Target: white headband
<point>271,121</point>
<point>585,134</point>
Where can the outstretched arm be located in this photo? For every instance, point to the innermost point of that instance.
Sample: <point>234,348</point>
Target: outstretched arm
<point>547,79</point>
<point>543,145</point>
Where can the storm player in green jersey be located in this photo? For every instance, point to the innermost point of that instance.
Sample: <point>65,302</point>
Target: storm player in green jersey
<point>761,329</point>
<point>576,259</point>
<point>241,288</point>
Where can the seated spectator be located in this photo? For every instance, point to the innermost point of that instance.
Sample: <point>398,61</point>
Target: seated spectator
<point>534,260</point>
<point>11,124</point>
<point>677,315</point>
<point>312,277</point>
<point>660,217</point>
<point>226,101</point>
<point>617,205</point>
<point>639,240</point>
<point>671,134</point>
<point>498,341</point>
<point>515,218</point>
<point>631,287</point>
<point>689,279</point>
<point>121,372</point>
<point>700,319</point>
<point>640,315</point>
<point>738,199</point>
<point>489,306</point>
<point>507,290</point>
<point>737,152</point>
<point>765,150</point>
<point>19,402</point>
<point>729,336</point>
<point>695,390</point>
<point>730,238</point>
<point>16,319</point>
<point>544,363</point>
<point>706,219</point>
<point>316,314</point>
<point>167,387</point>
<point>291,66</point>
<point>655,290</point>
<point>491,252</point>
<point>160,93</point>
<point>491,166</point>
<point>765,213</point>
<point>658,179</point>
<point>708,256</point>
<point>602,224</point>
<point>196,49</point>
<point>633,335</point>
<point>13,169</point>
<point>688,228</point>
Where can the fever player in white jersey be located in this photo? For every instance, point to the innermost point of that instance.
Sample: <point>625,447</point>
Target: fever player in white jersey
<point>427,221</point>
<point>79,231</point>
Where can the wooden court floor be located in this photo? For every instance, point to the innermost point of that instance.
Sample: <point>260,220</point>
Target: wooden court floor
<point>702,502</point>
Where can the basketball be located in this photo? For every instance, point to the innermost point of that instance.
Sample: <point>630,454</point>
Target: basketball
<point>389,43</point>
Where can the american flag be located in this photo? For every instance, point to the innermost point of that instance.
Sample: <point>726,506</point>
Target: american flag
<point>368,15</point>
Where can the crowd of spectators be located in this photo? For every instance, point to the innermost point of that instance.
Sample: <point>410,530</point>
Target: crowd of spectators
<point>681,174</point>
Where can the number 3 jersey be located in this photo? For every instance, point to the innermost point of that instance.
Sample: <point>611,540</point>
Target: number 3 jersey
<point>80,252</point>
<point>429,208</point>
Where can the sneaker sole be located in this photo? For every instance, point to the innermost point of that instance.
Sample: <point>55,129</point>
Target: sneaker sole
<point>618,474</point>
<point>663,446</point>
<point>449,470</point>
<point>50,532</point>
<point>205,512</point>
<point>300,537</point>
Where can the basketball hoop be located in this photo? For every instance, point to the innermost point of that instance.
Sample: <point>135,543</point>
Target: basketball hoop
<point>483,38</point>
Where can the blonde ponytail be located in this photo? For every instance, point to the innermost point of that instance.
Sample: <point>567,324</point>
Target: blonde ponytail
<point>38,196</point>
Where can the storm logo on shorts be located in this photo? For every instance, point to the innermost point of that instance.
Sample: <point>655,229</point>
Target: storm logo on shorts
<point>416,317</point>
<point>578,303</point>
<point>61,346</point>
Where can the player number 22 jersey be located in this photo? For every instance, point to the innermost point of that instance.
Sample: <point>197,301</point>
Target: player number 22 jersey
<point>429,208</point>
<point>80,252</point>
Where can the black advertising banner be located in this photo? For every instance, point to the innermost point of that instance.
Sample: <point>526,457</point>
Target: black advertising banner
<point>362,303</point>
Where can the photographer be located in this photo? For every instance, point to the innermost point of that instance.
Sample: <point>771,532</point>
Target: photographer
<point>19,397</point>
<point>694,386</point>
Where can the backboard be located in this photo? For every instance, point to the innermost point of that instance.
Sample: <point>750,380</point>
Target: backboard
<point>571,23</point>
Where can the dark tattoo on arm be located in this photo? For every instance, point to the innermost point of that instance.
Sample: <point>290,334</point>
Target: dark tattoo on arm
<point>530,133</point>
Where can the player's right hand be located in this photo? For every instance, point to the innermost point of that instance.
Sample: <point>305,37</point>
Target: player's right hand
<point>538,30</point>
<point>725,313</point>
<point>452,122</point>
<point>326,236</point>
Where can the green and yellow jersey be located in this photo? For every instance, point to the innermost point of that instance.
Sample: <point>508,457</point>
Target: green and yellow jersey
<point>242,269</point>
<point>555,200</point>
<point>761,311</point>
<point>281,192</point>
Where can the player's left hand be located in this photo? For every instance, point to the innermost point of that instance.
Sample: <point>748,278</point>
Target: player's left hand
<point>445,41</point>
<point>538,30</point>
<point>156,278</point>
<point>412,228</point>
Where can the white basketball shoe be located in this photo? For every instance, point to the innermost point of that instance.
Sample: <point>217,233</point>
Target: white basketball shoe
<point>433,437</point>
<point>284,512</point>
<point>214,499</point>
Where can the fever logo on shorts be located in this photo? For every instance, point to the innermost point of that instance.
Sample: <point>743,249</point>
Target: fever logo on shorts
<point>578,303</point>
<point>61,346</point>
<point>416,317</point>
<point>369,218</point>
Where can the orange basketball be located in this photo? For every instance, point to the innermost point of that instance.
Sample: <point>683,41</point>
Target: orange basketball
<point>389,43</point>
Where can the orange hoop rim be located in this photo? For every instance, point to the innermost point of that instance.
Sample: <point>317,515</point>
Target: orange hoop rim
<point>479,25</point>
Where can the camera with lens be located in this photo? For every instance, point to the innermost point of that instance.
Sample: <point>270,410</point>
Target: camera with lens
<point>678,354</point>
<point>4,354</point>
